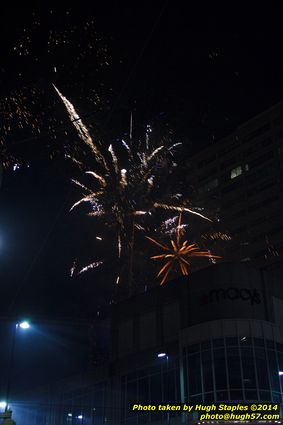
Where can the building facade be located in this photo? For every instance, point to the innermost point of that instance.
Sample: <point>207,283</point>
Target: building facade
<point>215,337</point>
<point>241,178</point>
<point>222,335</point>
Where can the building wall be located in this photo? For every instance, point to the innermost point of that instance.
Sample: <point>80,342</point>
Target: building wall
<point>153,320</point>
<point>226,341</point>
<point>240,178</point>
<point>80,400</point>
<point>222,335</point>
<point>232,361</point>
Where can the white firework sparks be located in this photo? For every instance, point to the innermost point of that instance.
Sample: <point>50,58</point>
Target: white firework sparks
<point>124,195</point>
<point>93,265</point>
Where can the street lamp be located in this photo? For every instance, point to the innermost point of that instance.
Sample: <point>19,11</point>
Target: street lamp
<point>3,404</point>
<point>23,325</point>
<point>164,355</point>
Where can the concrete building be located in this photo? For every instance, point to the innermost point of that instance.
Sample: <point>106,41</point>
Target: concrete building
<point>241,176</point>
<point>221,335</point>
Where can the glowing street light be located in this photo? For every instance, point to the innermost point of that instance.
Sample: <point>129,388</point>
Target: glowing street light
<point>162,354</point>
<point>3,404</point>
<point>24,325</point>
<point>280,373</point>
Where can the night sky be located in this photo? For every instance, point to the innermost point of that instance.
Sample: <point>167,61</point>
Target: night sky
<point>196,73</point>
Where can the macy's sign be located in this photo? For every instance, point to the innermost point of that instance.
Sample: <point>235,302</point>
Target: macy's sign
<point>232,294</point>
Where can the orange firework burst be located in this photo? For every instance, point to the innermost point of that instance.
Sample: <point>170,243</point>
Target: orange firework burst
<point>178,253</point>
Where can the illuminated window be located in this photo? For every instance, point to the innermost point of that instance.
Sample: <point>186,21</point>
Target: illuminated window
<point>236,172</point>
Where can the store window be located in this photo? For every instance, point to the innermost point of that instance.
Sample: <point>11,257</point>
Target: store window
<point>194,378</point>
<point>235,172</point>
<point>234,369</point>
<point>158,383</point>
<point>220,369</point>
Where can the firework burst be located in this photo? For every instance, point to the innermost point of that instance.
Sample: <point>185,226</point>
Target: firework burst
<point>27,116</point>
<point>126,185</point>
<point>177,254</point>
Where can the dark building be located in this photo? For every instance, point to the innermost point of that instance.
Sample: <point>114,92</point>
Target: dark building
<point>221,335</point>
<point>221,332</point>
<point>241,176</point>
<point>78,400</point>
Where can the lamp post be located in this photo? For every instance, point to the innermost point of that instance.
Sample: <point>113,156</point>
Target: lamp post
<point>164,355</point>
<point>23,325</point>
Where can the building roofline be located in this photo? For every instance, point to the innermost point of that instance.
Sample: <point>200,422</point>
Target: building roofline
<point>277,105</point>
<point>174,284</point>
<point>240,128</point>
